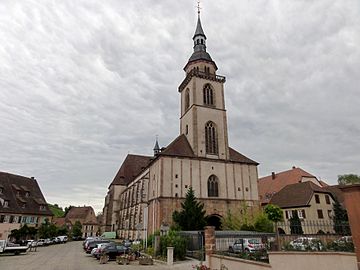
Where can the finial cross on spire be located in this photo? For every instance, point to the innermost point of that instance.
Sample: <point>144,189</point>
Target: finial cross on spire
<point>198,7</point>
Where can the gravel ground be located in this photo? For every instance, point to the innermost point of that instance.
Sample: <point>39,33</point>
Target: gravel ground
<point>70,256</point>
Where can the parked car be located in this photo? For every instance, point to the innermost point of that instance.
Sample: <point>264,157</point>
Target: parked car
<point>93,244</point>
<point>41,242</point>
<point>127,243</point>
<point>306,243</point>
<point>90,239</point>
<point>97,251</point>
<point>47,242</point>
<point>62,238</point>
<point>31,243</point>
<point>343,240</point>
<point>136,242</point>
<point>112,251</point>
<point>247,245</point>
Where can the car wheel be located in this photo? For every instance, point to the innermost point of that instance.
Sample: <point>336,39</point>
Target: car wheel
<point>231,250</point>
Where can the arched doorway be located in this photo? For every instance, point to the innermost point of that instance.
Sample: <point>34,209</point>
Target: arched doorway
<point>214,220</point>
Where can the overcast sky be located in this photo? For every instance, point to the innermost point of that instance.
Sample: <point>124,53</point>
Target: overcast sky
<point>84,83</point>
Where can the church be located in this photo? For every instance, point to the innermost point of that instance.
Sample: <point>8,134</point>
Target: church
<point>148,189</point>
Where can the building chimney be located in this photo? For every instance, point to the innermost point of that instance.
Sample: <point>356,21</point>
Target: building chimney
<point>293,167</point>
<point>273,175</point>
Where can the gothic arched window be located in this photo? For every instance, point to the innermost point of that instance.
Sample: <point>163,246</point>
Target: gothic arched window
<point>213,186</point>
<point>208,95</point>
<point>187,99</point>
<point>211,138</point>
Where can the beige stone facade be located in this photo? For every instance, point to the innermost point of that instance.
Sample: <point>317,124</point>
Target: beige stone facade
<point>143,197</point>
<point>315,217</point>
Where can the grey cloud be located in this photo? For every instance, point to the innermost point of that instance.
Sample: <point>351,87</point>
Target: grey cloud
<point>84,83</point>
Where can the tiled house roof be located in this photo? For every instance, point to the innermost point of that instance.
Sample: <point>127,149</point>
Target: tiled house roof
<point>21,195</point>
<point>237,157</point>
<point>179,147</point>
<point>130,168</point>
<point>85,215</point>
<point>297,195</point>
<point>273,183</point>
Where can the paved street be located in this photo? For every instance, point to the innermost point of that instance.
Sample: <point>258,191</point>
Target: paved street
<point>70,256</point>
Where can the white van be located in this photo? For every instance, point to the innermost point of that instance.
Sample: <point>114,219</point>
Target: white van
<point>62,239</point>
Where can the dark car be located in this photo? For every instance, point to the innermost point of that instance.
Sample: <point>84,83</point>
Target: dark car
<point>112,251</point>
<point>93,244</point>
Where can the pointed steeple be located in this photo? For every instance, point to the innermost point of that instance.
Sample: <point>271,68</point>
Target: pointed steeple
<point>199,39</point>
<point>156,147</point>
<point>199,31</point>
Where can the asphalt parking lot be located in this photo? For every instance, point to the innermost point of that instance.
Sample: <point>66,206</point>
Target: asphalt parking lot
<point>70,256</point>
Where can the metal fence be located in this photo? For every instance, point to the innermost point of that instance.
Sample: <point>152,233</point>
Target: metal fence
<point>225,239</point>
<point>195,244</point>
<point>305,236</point>
<point>314,227</point>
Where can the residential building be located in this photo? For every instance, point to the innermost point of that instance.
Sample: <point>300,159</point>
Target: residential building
<point>273,183</point>
<point>313,205</point>
<point>86,216</point>
<point>21,202</point>
<point>148,189</point>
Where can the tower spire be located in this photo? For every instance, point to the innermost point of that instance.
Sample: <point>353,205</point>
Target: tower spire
<point>199,39</point>
<point>156,147</point>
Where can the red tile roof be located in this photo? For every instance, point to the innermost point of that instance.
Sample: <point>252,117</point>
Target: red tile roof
<point>269,186</point>
<point>179,147</point>
<point>84,214</point>
<point>237,157</point>
<point>130,168</point>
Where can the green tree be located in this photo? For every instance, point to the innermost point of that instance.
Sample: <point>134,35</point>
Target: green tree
<point>295,224</point>
<point>66,210</point>
<point>173,239</point>
<point>341,220</point>
<point>44,229</point>
<point>76,229</point>
<point>239,219</point>
<point>263,224</point>
<point>274,213</point>
<point>48,230</point>
<point>56,210</point>
<point>62,230</point>
<point>348,179</point>
<point>192,216</point>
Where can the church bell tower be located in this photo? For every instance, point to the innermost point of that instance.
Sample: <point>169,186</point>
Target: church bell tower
<point>203,116</point>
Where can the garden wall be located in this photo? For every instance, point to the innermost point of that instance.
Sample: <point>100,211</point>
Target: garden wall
<point>284,260</point>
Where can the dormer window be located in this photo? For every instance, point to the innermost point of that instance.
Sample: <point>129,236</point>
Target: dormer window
<point>17,193</point>
<point>1,190</point>
<point>42,207</point>
<point>24,205</point>
<point>6,204</point>
<point>27,194</point>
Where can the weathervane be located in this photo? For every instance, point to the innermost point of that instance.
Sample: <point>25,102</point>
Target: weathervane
<point>198,7</point>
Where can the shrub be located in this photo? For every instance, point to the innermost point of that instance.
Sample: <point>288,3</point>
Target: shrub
<point>150,251</point>
<point>173,239</point>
